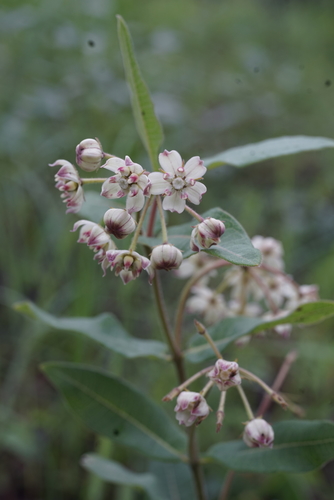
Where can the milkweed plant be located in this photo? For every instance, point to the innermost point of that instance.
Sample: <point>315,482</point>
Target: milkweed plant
<point>235,288</point>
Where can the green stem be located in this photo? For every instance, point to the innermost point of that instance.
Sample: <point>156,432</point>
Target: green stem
<point>162,220</point>
<point>96,180</point>
<point>246,403</point>
<point>139,226</point>
<point>195,464</point>
<point>177,390</point>
<point>192,212</point>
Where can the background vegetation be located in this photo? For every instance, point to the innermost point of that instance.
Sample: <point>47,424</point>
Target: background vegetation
<point>222,74</point>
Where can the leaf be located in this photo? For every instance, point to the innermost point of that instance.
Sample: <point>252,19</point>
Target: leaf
<point>115,473</point>
<point>148,126</point>
<point>299,446</point>
<point>235,246</point>
<point>112,407</point>
<point>231,329</point>
<point>271,148</point>
<point>105,329</point>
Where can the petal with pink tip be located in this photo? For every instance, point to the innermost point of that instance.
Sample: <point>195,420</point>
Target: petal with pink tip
<point>170,161</point>
<point>194,168</point>
<point>114,164</point>
<point>111,189</point>
<point>135,203</point>
<point>174,203</point>
<point>195,192</point>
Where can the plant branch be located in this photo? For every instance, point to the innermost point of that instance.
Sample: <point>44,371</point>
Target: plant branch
<point>195,464</point>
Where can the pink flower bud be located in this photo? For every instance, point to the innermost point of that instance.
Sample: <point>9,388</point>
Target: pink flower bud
<point>69,184</point>
<point>166,256</point>
<point>119,222</point>
<point>206,234</point>
<point>89,154</point>
<point>258,434</point>
<point>225,374</point>
<point>128,264</point>
<point>191,408</point>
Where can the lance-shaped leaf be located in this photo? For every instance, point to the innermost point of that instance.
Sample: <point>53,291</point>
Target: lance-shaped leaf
<point>115,473</point>
<point>112,407</point>
<point>235,245</point>
<point>299,446</point>
<point>147,124</point>
<point>231,329</point>
<point>271,148</point>
<point>105,329</point>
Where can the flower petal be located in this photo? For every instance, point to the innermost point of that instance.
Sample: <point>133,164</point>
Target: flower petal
<point>114,164</point>
<point>135,203</point>
<point>194,168</point>
<point>111,189</point>
<point>158,184</point>
<point>170,161</point>
<point>174,203</point>
<point>195,192</point>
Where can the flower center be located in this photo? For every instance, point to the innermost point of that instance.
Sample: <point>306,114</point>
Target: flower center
<point>123,183</point>
<point>178,183</point>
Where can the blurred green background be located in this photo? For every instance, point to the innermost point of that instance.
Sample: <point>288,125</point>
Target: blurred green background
<point>222,74</point>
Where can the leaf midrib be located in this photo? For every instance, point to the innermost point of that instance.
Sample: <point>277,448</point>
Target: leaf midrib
<point>123,414</point>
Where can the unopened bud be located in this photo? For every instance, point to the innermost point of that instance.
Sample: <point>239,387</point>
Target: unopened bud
<point>89,154</point>
<point>258,434</point>
<point>166,256</point>
<point>119,222</point>
<point>225,374</point>
<point>200,327</point>
<point>206,234</point>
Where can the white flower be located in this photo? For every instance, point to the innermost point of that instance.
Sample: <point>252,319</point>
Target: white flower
<point>128,264</point>
<point>258,434</point>
<point>193,264</point>
<point>69,183</point>
<point>272,251</point>
<point>206,234</point>
<point>97,239</point>
<point>130,181</point>
<point>191,408</point>
<point>225,374</point>
<point>166,256</point>
<point>302,295</point>
<point>89,154</point>
<point>178,181</point>
<point>119,222</point>
<point>208,303</point>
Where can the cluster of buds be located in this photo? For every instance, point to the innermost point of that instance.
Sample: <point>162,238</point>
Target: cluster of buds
<point>176,183</point>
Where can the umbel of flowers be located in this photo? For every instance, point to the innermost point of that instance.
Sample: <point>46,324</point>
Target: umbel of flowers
<point>177,183</point>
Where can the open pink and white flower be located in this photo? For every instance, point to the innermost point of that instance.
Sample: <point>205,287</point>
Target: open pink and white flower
<point>191,408</point>
<point>225,374</point>
<point>97,239</point>
<point>69,183</point>
<point>178,181</point>
<point>129,264</point>
<point>130,181</point>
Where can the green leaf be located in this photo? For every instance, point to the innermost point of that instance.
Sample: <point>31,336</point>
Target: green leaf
<point>231,329</point>
<point>235,246</point>
<point>105,329</point>
<point>115,473</point>
<point>299,446</point>
<point>271,148</point>
<point>147,124</point>
<point>112,407</point>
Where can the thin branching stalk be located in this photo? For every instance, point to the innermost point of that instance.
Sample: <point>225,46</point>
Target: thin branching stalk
<point>134,241</point>
<point>194,213</point>
<point>96,180</point>
<point>195,464</point>
<point>177,390</point>
<point>162,220</point>
<point>265,289</point>
<point>245,401</point>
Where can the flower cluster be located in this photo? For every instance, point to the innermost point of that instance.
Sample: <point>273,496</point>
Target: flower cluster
<point>177,183</point>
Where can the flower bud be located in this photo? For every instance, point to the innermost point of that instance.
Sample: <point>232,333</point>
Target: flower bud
<point>191,407</point>
<point>128,265</point>
<point>166,256</point>
<point>225,374</point>
<point>119,223</point>
<point>69,184</point>
<point>89,154</point>
<point>206,234</point>
<point>258,434</point>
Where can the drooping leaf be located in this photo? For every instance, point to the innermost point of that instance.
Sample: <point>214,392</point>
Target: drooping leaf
<point>105,329</point>
<point>147,124</point>
<point>235,246</point>
<point>299,446</point>
<point>115,473</point>
<point>271,148</point>
<point>112,407</point>
<point>231,329</point>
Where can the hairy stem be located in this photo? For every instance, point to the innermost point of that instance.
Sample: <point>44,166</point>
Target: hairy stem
<point>177,390</point>
<point>192,212</point>
<point>195,464</point>
<point>162,220</point>
<point>245,401</point>
<point>96,180</point>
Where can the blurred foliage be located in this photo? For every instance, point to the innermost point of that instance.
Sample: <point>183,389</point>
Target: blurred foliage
<point>222,74</point>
